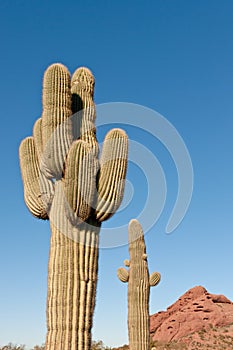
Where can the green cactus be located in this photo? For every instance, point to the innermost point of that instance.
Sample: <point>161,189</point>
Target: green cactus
<point>139,283</point>
<point>66,183</point>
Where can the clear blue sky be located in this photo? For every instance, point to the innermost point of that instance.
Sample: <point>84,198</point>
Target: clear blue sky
<point>175,57</point>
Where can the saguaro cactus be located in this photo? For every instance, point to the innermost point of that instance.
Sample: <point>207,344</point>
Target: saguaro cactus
<point>139,283</point>
<point>66,183</point>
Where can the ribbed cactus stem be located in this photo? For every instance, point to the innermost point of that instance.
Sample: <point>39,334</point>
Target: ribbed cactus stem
<point>57,132</point>
<point>138,291</point>
<point>37,136</point>
<point>83,107</point>
<point>80,181</point>
<point>73,268</point>
<point>38,190</point>
<point>113,167</point>
<point>139,283</point>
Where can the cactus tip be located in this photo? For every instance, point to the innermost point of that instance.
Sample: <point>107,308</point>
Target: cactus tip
<point>83,74</point>
<point>135,230</point>
<point>56,68</point>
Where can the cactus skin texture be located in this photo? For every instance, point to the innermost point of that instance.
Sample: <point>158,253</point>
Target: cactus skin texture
<point>139,283</point>
<point>65,182</point>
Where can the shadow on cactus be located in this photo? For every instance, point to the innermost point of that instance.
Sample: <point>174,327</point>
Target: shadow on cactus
<point>65,182</point>
<point>139,283</point>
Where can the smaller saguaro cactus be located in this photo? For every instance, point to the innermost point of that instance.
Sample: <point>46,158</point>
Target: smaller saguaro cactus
<point>139,283</point>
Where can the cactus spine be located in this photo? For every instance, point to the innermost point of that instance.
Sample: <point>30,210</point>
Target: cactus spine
<point>61,175</point>
<point>139,283</point>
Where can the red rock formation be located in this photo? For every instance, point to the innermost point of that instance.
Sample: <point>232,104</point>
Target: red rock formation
<point>194,311</point>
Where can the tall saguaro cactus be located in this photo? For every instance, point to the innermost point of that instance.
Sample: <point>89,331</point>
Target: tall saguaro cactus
<point>139,283</point>
<point>66,183</point>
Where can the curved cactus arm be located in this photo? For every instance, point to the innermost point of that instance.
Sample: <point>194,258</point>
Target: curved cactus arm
<point>123,274</point>
<point>113,167</point>
<point>57,133</point>
<point>38,191</point>
<point>80,181</point>
<point>37,136</point>
<point>83,107</point>
<point>154,279</point>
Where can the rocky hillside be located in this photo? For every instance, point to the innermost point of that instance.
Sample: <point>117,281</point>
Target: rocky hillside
<point>197,320</point>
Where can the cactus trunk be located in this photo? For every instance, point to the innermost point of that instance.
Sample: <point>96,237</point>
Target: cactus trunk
<point>72,280</point>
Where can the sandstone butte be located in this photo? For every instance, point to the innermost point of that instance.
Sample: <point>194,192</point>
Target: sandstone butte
<point>195,311</point>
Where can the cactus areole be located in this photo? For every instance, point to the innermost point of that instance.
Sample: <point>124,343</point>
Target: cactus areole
<point>139,283</point>
<point>65,182</point>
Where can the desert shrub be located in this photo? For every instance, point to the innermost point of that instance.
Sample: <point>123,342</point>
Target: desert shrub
<point>99,345</point>
<point>11,346</point>
<point>158,345</point>
<point>37,347</point>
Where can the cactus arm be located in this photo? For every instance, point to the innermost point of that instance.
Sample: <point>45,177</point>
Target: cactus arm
<point>57,133</point>
<point>155,279</point>
<point>113,161</point>
<point>113,167</point>
<point>123,274</point>
<point>37,136</point>
<point>80,180</point>
<point>127,262</point>
<point>83,107</point>
<point>38,191</point>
